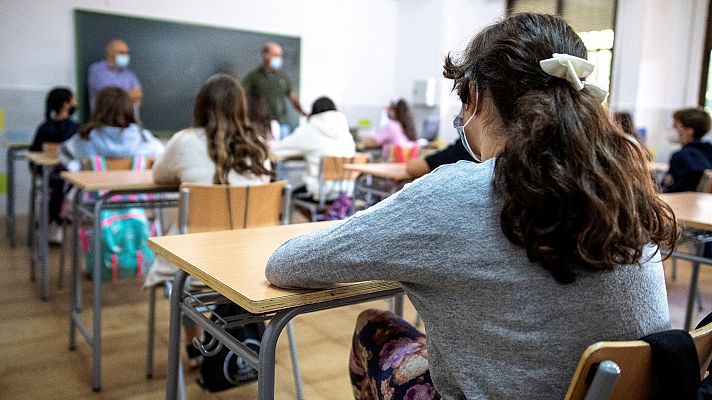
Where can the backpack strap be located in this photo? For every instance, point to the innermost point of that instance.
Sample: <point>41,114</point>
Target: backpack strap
<point>676,370</point>
<point>114,267</point>
<point>97,163</point>
<point>139,263</point>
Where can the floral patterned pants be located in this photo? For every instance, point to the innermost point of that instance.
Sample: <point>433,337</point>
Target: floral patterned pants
<point>389,360</point>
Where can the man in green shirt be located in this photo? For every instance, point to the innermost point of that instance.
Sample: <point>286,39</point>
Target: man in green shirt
<point>269,83</point>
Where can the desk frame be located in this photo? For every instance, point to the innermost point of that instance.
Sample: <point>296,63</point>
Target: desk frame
<point>38,239</point>
<point>92,210</point>
<point>15,152</point>
<point>264,362</point>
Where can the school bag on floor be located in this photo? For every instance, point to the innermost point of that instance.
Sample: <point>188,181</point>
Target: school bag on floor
<point>225,370</point>
<point>123,235</point>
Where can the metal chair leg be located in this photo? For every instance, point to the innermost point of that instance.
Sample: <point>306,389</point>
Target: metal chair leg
<point>62,256</point>
<point>151,331</point>
<point>298,385</point>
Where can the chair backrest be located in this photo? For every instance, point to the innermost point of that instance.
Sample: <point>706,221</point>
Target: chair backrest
<point>115,164</point>
<point>634,358</point>
<point>51,148</point>
<point>205,208</point>
<point>401,154</point>
<point>705,184</point>
<point>332,168</point>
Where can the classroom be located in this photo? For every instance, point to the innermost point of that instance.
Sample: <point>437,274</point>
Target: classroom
<point>369,199</point>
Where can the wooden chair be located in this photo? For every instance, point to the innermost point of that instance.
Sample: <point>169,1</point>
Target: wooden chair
<point>705,185</point>
<point>51,149</point>
<point>623,370</point>
<point>330,169</point>
<point>205,208</point>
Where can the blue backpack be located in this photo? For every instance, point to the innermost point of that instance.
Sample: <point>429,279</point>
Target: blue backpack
<point>124,237</point>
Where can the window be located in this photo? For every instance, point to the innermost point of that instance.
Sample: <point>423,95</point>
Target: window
<point>594,21</point>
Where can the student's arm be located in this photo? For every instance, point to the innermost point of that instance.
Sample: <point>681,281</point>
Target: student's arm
<point>295,102</point>
<point>417,167</point>
<point>298,143</point>
<point>381,137</point>
<point>384,242</point>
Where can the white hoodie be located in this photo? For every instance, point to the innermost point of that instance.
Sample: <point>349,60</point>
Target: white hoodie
<point>324,134</point>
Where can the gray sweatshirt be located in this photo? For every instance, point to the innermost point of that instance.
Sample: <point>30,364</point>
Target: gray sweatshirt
<point>498,325</point>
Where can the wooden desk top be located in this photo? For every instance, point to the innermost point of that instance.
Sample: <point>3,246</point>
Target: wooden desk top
<point>692,209</point>
<point>233,263</point>
<point>43,159</point>
<point>658,166</point>
<point>395,171</point>
<point>114,180</point>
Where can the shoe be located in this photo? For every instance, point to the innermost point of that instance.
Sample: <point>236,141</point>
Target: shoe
<point>194,356</point>
<point>55,233</point>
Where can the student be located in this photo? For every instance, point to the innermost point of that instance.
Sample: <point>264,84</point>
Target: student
<point>517,264</point>
<point>112,132</point>
<point>398,131</point>
<point>56,128</point>
<point>325,133</point>
<point>418,167</point>
<point>689,163</point>
<point>222,148</point>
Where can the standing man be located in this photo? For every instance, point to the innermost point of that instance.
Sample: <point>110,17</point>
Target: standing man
<point>268,82</point>
<point>114,71</point>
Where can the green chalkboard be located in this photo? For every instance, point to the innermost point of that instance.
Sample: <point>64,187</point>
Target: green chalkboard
<point>172,60</point>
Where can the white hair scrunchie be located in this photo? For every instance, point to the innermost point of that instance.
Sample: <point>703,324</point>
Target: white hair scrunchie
<point>573,69</point>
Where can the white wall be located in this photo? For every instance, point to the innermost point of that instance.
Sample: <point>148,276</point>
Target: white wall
<point>658,63</point>
<point>427,31</point>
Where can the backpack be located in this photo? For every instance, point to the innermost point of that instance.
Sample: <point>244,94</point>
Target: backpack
<point>124,236</point>
<point>340,208</point>
<point>225,370</point>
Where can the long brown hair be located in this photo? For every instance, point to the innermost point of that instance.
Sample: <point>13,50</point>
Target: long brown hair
<point>113,108</point>
<point>221,109</point>
<point>402,114</point>
<point>576,191</point>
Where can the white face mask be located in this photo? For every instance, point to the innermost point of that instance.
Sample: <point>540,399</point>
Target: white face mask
<point>122,60</point>
<point>673,137</point>
<point>276,62</point>
<point>460,127</point>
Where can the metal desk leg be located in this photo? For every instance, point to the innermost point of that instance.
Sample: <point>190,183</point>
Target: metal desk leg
<point>151,330</point>
<point>10,214</point>
<point>96,281</point>
<point>31,215</point>
<point>398,305</point>
<point>75,279</point>
<point>265,383</point>
<point>31,233</point>
<point>173,369</point>
<point>700,247</point>
<point>43,240</point>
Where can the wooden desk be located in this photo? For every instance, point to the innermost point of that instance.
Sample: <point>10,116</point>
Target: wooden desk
<point>108,184</point>
<point>692,210</point>
<point>43,159</point>
<point>117,180</point>
<point>233,264</point>
<point>389,178</point>
<point>393,171</point>
<point>658,167</point>
<point>15,152</point>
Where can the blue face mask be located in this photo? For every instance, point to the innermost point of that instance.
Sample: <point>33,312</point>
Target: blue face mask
<point>460,127</point>
<point>276,62</point>
<point>122,60</point>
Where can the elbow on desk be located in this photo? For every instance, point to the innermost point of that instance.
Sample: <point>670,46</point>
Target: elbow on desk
<point>288,272</point>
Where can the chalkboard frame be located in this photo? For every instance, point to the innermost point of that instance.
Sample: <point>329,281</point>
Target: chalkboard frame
<point>94,29</point>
